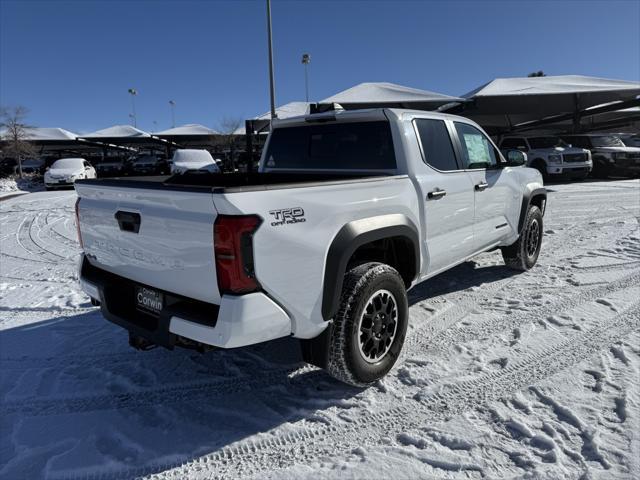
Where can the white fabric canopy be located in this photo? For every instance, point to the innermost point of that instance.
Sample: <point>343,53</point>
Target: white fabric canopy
<point>559,84</point>
<point>505,103</point>
<point>118,131</point>
<point>291,109</point>
<point>192,129</point>
<point>383,94</point>
<point>44,134</point>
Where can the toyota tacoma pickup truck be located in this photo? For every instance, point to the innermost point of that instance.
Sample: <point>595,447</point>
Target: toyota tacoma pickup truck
<point>551,156</point>
<point>349,210</point>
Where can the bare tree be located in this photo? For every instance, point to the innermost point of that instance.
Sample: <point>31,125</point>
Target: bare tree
<point>539,73</point>
<point>229,129</point>
<point>15,134</point>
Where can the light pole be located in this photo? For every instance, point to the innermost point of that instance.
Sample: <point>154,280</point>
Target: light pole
<point>306,60</point>
<point>173,113</point>
<point>272,89</point>
<point>133,93</point>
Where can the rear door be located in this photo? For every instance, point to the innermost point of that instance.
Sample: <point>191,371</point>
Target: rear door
<point>495,188</point>
<point>447,193</point>
<point>158,238</point>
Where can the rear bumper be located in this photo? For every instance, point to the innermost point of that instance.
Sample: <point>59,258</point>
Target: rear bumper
<point>60,183</point>
<point>238,320</point>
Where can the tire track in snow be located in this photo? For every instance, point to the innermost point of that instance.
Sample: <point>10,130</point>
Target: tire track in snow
<point>282,375</point>
<point>26,242</point>
<point>37,228</point>
<point>502,323</point>
<point>254,456</point>
<point>58,237</point>
<point>178,393</point>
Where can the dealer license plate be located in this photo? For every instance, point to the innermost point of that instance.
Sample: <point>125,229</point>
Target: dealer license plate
<point>148,300</point>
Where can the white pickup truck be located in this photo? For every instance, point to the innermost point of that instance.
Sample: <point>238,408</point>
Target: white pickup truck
<point>348,211</point>
<point>551,156</point>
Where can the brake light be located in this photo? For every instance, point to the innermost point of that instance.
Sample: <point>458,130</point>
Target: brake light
<point>78,223</point>
<point>233,249</point>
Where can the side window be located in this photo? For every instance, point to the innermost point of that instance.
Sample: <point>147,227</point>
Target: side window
<point>477,150</point>
<point>436,144</point>
<point>515,143</point>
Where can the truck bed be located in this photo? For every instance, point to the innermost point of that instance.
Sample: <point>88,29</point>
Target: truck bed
<point>234,182</point>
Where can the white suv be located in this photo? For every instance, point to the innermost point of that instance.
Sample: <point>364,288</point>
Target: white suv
<point>551,156</point>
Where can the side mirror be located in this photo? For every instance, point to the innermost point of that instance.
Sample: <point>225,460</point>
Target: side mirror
<point>515,158</point>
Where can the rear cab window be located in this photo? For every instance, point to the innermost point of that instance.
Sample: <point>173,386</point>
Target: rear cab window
<point>436,145</point>
<point>360,146</point>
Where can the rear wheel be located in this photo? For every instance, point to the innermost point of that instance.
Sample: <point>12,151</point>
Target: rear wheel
<point>523,254</point>
<point>369,329</point>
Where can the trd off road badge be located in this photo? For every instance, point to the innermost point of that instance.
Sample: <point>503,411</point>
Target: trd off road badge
<point>287,216</point>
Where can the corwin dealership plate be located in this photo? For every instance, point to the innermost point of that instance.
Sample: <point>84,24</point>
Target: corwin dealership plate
<point>148,300</point>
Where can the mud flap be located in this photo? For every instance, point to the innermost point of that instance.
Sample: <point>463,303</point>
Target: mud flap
<point>315,351</point>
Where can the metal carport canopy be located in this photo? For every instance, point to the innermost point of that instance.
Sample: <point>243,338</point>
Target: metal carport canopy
<point>364,95</point>
<point>384,94</point>
<point>192,134</point>
<point>261,122</point>
<point>189,130</point>
<point>124,135</point>
<point>504,103</point>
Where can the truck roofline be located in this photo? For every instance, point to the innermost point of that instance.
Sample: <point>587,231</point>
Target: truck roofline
<point>365,115</point>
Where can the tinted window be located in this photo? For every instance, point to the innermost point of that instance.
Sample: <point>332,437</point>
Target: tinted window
<point>580,142</point>
<point>436,144</point>
<point>607,141</point>
<point>547,142</point>
<point>343,146</point>
<point>477,150</point>
<point>517,143</point>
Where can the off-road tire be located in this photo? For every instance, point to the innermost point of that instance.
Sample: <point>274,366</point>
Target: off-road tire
<point>345,362</point>
<point>523,254</point>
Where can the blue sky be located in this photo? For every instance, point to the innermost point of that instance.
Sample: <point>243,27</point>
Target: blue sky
<point>71,62</point>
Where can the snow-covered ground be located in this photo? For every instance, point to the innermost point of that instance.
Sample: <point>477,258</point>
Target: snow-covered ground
<point>11,186</point>
<point>504,376</point>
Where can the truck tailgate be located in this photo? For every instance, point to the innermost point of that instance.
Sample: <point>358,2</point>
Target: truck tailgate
<point>162,239</point>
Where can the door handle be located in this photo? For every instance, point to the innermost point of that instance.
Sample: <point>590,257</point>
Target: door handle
<point>437,193</point>
<point>481,186</point>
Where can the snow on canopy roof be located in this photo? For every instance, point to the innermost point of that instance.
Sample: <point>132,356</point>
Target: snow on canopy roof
<point>44,134</point>
<point>291,109</point>
<point>118,131</point>
<point>384,93</point>
<point>551,85</point>
<point>187,130</point>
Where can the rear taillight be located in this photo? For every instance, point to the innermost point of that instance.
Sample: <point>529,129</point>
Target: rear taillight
<point>233,249</point>
<point>78,223</point>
